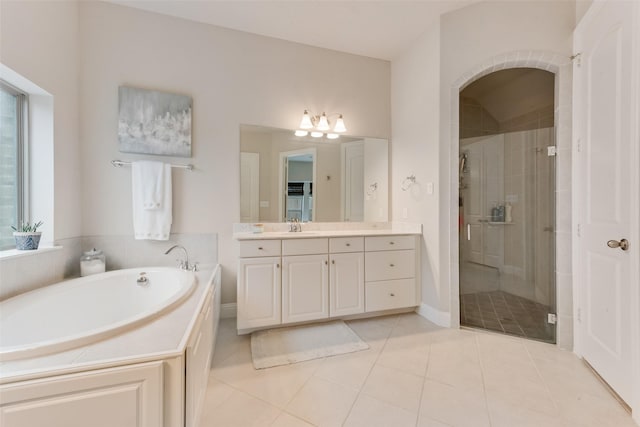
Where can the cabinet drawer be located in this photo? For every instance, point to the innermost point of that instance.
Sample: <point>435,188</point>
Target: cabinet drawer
<point>305,246</point>
<point>346,244</point>
<point>387,243</point>
<point>388,265</point>
<point>390,294</point>
<point>259,248</point>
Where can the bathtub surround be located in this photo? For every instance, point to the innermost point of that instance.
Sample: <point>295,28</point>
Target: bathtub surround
<point>122,251</point>
<point>151,375</point>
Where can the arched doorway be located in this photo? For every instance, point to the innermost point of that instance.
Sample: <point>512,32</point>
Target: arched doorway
<point>507,203</point>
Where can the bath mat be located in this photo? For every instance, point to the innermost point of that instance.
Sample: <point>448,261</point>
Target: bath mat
<point>276,347</point>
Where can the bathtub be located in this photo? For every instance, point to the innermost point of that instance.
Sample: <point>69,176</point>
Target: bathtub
<point>81,311</point>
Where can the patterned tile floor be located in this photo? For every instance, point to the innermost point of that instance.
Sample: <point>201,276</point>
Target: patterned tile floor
<point>510,314</point>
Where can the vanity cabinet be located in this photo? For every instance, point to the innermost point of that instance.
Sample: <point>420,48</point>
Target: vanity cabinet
<point>259,292</point>
<point>346,281</point>
<point>324,278</point>
<point>305,288</point>
<point>390,272</point>
<point>305,280</point>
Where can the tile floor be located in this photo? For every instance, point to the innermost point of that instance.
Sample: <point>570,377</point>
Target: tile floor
<point>414,374</point>
<point>510,314</point>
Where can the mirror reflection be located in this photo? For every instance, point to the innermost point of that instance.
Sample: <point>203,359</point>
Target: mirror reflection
<point>285,177</point>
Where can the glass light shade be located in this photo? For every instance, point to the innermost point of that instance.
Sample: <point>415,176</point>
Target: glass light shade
<point>306,123</point>
<point>339,127</point>
<point>333,136</point>
<point>316,134</point>
<point>323,123</point>
<point>301,133</point>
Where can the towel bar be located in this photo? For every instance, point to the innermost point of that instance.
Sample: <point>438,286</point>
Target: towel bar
<point>120,163</point>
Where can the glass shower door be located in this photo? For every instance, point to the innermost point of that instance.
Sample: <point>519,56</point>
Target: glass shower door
<point>507,245</point>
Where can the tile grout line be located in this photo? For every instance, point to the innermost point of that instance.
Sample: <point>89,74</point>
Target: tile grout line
<point>424,381</point>
<point>369,373</point>
<point>546,386</point>
<point>484,387</point>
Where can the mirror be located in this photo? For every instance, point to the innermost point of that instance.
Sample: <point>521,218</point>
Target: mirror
<point>284,177</point>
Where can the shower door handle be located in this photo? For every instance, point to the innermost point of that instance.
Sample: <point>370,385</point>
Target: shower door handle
<point>622,244</point>
<point>468,231</point>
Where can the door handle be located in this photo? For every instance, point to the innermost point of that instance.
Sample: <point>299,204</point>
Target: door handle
<point>468,231</point>
<point>622,244</point>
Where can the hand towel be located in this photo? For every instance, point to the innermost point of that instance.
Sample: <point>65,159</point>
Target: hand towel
<point>152,200</point>
<point>150,177</point>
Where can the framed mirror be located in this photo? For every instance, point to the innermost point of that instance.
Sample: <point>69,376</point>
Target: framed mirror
<point>285,177</point>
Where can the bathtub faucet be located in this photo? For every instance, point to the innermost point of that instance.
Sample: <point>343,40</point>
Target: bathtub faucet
<point>183,264</point>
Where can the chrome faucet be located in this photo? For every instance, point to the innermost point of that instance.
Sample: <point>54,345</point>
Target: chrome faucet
<point>183,264</point>
<point>295,225</point>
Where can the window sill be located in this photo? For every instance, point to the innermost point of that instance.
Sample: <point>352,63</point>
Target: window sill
<point>14,253</point>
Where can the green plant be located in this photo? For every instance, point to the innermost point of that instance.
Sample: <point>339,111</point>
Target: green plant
<point>27,227</point>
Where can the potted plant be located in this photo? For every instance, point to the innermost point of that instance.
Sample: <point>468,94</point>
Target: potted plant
<point>27,236</point>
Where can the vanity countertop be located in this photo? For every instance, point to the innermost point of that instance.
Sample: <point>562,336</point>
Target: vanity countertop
<point>320,233</point>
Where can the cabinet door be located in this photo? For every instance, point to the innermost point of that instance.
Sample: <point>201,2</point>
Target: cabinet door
<point>346,284</point>
<point>128,396</point>
<point>259,293</point>
<point>305,288</point>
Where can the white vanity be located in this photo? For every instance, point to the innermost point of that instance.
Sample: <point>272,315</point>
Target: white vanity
<point>288,278</point>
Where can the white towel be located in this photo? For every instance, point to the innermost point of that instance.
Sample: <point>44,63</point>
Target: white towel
<point>152,207</point>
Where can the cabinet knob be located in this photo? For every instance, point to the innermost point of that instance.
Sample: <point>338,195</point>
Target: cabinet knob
<point>391,243</point>
<point>326,262</point>
<point>348,244</point>
<point>333,261</point>
<point>392,294</point>
<point>392,265</point>
<point>259,248</point>
<point>277,265</point>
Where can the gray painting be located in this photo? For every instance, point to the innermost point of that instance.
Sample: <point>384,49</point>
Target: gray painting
<point>151,122</point>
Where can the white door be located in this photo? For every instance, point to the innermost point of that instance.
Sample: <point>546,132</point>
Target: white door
<point>249,187</point>
<point>603,108</point>
<point>346,284</point>
<point>305,288</point>
<point>259,292</point>
<point>354,182</point>
<point>485,188</point>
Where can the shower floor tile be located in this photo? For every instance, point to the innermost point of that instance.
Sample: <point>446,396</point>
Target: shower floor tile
<point>510,314</point>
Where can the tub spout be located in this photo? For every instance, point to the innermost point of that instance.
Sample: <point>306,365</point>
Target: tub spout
<point>183,264</point>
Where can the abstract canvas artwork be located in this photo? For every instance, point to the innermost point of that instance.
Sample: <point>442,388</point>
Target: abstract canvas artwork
<point>152,122</point>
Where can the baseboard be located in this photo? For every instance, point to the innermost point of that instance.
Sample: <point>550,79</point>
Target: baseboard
<point>440,318</point>
<point>228,311</point>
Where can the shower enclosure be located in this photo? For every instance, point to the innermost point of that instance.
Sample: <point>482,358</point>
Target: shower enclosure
<point>507,239</point>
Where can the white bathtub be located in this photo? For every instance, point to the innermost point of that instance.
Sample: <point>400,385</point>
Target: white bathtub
<point>81,311</point>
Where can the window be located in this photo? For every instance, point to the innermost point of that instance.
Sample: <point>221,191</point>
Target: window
<point>13,105</point>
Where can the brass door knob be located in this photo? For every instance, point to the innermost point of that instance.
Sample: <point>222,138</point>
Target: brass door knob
<point>622,244</point>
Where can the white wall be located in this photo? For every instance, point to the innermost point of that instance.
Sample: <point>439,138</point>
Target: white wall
<point>415,79</point>
<point>233,78</point>
<point>39,41</point>
<point>422,79</point>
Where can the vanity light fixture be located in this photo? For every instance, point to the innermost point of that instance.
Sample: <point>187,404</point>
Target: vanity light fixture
<point>319,125</point>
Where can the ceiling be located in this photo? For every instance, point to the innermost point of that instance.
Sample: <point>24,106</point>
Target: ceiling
<point>377,29</point>
<point>513,92</point>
